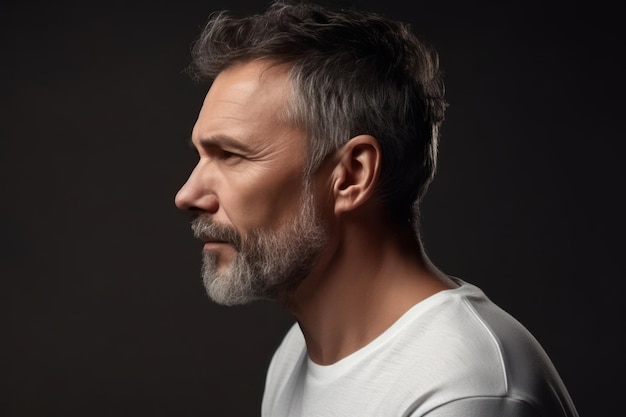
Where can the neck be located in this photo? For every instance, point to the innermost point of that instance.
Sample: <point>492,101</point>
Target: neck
<point>363,283</point>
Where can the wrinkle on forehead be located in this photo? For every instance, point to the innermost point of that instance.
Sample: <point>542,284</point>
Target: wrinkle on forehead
<point>248,102</point>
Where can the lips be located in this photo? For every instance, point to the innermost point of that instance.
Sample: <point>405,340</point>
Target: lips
<point>213,245</point>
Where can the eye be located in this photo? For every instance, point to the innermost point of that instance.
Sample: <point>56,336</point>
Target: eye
<point>228,156</point>
<point>219,153</point>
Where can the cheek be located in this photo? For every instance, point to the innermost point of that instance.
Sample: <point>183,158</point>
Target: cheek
<point>265,203</point>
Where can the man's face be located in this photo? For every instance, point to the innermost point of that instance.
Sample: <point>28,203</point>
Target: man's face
<point>253,210</point>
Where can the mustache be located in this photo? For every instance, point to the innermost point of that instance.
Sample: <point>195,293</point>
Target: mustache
<point>205,229</point>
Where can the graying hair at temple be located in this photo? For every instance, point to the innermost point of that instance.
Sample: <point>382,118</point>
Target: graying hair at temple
<point>353,73</point>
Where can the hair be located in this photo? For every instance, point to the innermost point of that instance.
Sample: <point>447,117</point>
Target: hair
<point>352,72</point>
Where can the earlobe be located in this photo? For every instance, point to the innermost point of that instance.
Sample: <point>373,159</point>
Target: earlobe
<point>357,173</point>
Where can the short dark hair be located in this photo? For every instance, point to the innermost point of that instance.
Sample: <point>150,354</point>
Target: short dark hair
<point>353,72</point>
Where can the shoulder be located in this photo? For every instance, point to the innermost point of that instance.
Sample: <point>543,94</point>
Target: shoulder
<point>448,342</point>
<point>480,353</point>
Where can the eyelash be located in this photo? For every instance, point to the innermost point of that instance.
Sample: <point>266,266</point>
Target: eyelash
<point>227,155</point>
<point>224,155</point>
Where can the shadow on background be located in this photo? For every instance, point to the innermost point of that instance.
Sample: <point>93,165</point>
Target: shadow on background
<point>102,309</point>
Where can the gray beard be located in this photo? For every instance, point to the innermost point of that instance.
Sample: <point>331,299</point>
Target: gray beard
<point>267,264</point>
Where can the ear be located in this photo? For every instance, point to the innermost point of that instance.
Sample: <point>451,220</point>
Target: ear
<point>355,177</point>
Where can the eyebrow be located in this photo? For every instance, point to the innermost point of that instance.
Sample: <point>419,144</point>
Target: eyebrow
<point>220,141</point>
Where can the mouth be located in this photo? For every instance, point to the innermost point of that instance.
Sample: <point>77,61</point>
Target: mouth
<point>214,244</point>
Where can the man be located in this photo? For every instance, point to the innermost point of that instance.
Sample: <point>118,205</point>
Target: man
<point>317,140</point>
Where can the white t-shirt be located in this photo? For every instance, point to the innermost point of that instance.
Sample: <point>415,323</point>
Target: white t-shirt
<point>454,354</point>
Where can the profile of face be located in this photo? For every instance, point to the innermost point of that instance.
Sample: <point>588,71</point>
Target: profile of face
<point>253,207</point>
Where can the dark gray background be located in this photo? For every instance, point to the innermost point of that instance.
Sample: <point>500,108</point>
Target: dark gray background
<point>102,309</point>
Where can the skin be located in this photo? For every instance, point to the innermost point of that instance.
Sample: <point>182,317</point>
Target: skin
<point>249,174</point>
<point>369,274</point>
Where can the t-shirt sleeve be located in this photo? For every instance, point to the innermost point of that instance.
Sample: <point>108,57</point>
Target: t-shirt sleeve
<point>482,407</point>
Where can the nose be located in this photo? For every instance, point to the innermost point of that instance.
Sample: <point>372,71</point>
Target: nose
<point>196,194</point>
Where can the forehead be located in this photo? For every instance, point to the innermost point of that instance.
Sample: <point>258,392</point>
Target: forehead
<point>248,99</point>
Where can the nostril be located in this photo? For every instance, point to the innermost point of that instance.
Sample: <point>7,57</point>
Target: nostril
<point>210,203</point>
<point>198,201</point>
